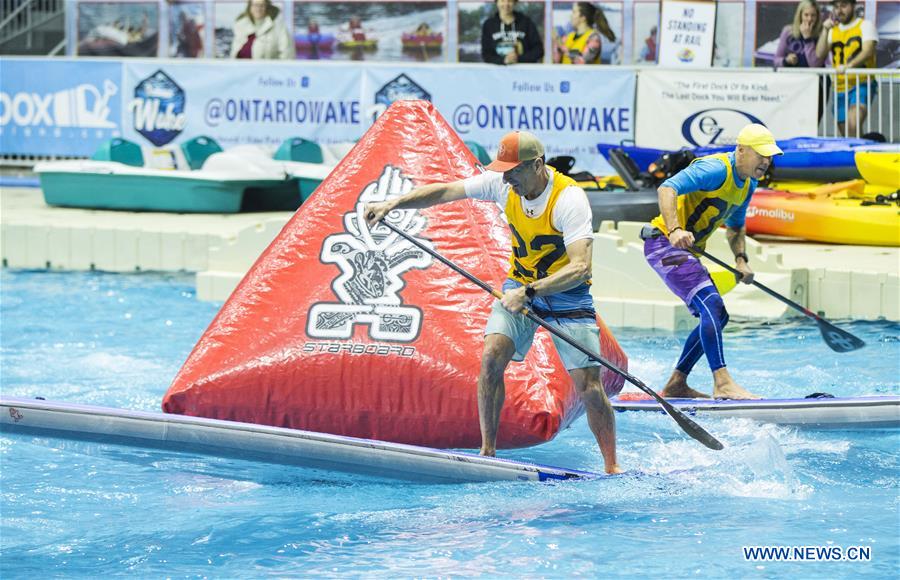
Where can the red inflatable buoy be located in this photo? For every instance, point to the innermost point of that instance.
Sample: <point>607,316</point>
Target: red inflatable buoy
<point>341,329</point>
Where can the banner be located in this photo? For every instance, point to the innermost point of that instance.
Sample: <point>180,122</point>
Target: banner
<point>240,103</point>
<point>571,109</point>
<point>710,108</point>
<point>688,33</point>
<point>58,107</point>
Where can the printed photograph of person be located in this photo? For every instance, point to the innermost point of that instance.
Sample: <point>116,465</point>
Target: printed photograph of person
<point>501,32</point>
<point>252,29</point>
<point>225,18</point>
<point>645,26</point>
<point>887,22</point>
<point>786,34</point>
<point>118,29</point>
<point>187,22</point>
<point>579,23</point>
<point>729,47</point>
<point>375,31</point>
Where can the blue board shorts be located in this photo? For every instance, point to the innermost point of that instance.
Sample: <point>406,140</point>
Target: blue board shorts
<point>520,329</point>
<point>857,95</point>
<point>681,270</point>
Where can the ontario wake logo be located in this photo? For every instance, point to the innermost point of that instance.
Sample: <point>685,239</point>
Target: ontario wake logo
<point>399,88</point>
<point>158,108</point>
<point>372,262</point>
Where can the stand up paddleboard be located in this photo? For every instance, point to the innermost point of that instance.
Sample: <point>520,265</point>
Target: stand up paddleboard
<point>827,413</point>
<point>270,444</point>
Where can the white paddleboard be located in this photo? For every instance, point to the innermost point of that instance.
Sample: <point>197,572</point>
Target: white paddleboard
<point>271,444</point>
<point>877,412</point>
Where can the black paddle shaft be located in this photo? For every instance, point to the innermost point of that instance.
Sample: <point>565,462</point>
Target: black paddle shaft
<point>837,339</point>
<point>686,423</point>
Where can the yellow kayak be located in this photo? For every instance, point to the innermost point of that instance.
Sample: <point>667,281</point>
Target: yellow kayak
<point>856,188</point>
<point>879,167</point>
<point>849,212</point>
<point>600,182</point>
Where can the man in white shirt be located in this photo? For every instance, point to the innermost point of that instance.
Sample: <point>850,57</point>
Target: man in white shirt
<point>550,273</point>
<point>851,41</point>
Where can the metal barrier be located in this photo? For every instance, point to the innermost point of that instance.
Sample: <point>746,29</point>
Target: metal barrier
<point>22,17</point>
<point>879,112</point>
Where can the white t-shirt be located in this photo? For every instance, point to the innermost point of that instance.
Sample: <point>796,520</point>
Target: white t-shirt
<point>866,28</point>
<point>571,215</point>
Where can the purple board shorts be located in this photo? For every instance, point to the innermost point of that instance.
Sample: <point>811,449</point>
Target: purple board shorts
<point>681,270</point>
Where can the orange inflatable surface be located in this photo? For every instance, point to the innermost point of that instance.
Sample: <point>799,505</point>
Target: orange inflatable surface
<point>344,329</point>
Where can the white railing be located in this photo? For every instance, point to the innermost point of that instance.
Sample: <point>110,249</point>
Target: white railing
<point>879,111</point>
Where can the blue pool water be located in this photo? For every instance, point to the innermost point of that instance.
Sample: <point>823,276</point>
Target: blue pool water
<point>83,509</point>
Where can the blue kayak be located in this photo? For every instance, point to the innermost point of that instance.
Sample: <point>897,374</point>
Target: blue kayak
<point>815,158</point>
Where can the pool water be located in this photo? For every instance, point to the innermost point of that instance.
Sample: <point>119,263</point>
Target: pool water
<point>74,508</point>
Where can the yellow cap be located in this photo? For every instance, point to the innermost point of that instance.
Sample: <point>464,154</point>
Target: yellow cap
<point>760,139</point>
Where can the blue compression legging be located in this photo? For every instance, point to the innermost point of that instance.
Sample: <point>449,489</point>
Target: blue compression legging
<point>706,338</point>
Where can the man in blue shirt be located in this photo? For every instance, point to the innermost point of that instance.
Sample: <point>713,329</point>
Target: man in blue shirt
<point>713,190</point>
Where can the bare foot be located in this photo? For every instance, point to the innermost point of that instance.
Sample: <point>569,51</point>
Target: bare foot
<point>488,452</point>
<point>726,388</point>
<point>677,388</point>
<point>614,469</point>
<point>733,390</point>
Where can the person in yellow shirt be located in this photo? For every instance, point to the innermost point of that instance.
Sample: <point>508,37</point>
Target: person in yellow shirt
<point>851,41</point>
<point>550,274</point>
<point>583,44</point>
<point>712,191</point>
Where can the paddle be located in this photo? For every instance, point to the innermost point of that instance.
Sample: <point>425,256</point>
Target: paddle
<point>837,339</point>
<point>689,426</point>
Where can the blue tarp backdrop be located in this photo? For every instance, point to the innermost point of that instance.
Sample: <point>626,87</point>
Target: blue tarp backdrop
<point>69,107</point>
<point>53,107</point>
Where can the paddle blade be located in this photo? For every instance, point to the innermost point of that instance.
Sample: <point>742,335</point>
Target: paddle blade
<point>837,339</point>
<point>690,427</point>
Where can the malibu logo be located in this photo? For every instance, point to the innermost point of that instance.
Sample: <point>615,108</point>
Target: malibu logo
<point>158,109</point>
<point>774,214</point>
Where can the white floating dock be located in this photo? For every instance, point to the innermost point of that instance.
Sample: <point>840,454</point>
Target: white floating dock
<point>38,236</point>
<point>838,282</point>
<point>270,444</point>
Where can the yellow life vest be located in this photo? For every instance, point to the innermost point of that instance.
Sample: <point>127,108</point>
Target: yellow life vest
<point>701,212</point>
<point>846,44</point>
<point>538,248</point>
<point>575,44</point>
